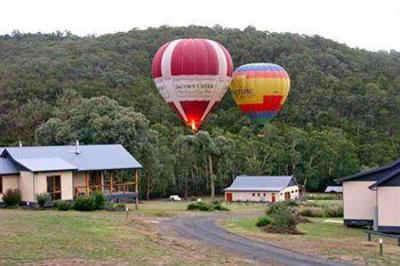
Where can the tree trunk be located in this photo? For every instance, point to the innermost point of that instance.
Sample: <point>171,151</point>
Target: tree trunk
<point>186,184</point>
<point>148,189</point>
<point>212,181</point>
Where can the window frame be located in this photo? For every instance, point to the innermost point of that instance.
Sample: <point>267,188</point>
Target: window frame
<point>54,194</point>
<point>1,184</point>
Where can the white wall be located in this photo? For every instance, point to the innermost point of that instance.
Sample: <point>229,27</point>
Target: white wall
<point>248,196</point>
<point>66,184</point>
<point>358,200</point>
<point>293,190</point>
<point>26,186</point>
<point>9,182</point>
<point>32,184</point>
<point>388,206</point>
<point>259,196</point>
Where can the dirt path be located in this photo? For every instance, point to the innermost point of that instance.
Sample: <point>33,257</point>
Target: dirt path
<point>203,228</point>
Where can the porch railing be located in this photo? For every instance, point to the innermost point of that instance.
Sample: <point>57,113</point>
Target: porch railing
<point>111,188</point>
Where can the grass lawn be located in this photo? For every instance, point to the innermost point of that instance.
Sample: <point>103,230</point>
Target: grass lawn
<point>102,238</point>
<point>327,239</point>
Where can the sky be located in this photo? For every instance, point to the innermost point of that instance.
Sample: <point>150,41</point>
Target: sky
<point>372,25</point>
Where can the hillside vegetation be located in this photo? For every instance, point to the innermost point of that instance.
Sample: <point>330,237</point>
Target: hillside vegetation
<point>341,115</point>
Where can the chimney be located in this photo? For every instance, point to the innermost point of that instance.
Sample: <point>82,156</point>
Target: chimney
<point>20,144</point>
<point>77,150</point>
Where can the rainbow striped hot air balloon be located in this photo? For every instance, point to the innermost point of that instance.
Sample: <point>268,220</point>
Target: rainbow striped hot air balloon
<point>260,90</point>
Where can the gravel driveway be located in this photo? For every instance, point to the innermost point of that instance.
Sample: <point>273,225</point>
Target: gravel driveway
<point>203,228</point>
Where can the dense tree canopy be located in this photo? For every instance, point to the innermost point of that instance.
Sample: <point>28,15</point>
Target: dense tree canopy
<point>341,114</point>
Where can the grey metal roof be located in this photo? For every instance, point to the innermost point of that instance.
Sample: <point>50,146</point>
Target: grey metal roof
<point>261,183</point>
<point>91,157</point>
<point>386,179</point>
<point>337,189</point>
<point>46,164</point>
<point>7,167</point>
<point>373,174</point>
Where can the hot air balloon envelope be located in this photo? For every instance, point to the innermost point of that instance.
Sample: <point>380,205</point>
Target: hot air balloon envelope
<point>192,76</point>
<point>260,90</point>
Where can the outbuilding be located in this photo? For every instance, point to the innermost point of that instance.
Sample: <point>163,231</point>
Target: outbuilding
<point>387,192</point>
<point>333,189</point>
<point>370,196</point>
<point>263,189</point>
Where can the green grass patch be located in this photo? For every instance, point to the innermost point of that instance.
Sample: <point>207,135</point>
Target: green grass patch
<point>44,236</point>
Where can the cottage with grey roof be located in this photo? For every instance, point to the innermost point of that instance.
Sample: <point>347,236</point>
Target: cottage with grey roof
<point>372,197</point>
<point>67,171</point>
<point>263,189</point>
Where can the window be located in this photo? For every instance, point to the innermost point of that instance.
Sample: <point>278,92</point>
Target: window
<point>264,194</point>
<point>292,191</point>
<point>94,178</point>
<point>258,194</point>
<point>54,186</point>
<point>254,194</point>
<point>1,184</point>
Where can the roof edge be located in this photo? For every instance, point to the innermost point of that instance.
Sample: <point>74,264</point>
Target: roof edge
<point>367,172</point>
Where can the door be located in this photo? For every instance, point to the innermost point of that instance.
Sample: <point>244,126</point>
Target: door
<point>95,180</point>
<point>228,196</point>
<point>287,195</point>
<point>273,197</point>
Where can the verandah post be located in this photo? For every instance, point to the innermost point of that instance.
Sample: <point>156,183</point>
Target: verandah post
<point>111,182</point>
<point>86,183</point>
<point>136,189</point>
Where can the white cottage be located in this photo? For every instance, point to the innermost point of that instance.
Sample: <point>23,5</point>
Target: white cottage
<point>373,198</point>
<point>64,172</point>
<point>263,189</point>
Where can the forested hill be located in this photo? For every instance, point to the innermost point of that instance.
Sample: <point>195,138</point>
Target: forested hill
<point>342,113</point>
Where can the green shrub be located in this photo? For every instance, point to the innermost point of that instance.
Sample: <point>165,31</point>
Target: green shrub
<point>219,207</point>
<point>282,215</point>
<point>312,212</point>
<point>334,211</point>
<point>292,203</point>
<point>203,206</point>
<point>85,203</point>
<point>12,197</point>
<point>62,205</point>
<point>42,199</point>
<point>322,196</point>
<point>100,199</point>
<point>263,221</point>
<point>322,211</point>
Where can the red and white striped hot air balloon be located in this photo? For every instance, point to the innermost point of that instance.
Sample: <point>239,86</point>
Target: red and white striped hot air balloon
<point>192,76</point>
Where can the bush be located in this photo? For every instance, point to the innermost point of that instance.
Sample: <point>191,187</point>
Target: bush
<point>321,196</point>
<point>85,203</point>
<point>100,199</point>
<point>42,199</point>
<point>323,212</point>
<point>203,206</point>
<point>12,197</point>
<point>62,205</point>
<point>334,211</point>
<point>263,221</point>
<point>218,206</point>
<point>312,212</point>
<point>282,215</point>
